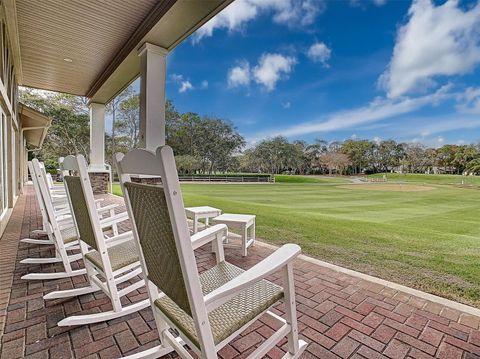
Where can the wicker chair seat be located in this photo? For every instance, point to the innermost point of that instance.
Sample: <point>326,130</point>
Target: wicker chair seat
<point>69,234</point>
<point>229,317</point>
<point>121,255</point>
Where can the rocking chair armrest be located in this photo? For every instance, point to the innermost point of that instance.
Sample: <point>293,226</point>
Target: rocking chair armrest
<point>59,205</point>
<point>64,217</point>
<point>58,192</point>
<point>107,222</point>
<point>98,202</point>
<point>60,201</point>
<point>106,208</point>
<point>59,196</point>
<point>118,239</point>
<point>66,226</point>
<point>275,261</point>
<point>208,235</point>
<point>62,211</point>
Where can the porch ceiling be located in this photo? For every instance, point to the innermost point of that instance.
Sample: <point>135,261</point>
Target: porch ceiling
<point>89,48</point>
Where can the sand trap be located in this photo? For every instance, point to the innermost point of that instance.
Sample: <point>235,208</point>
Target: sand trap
<point>393,187</point>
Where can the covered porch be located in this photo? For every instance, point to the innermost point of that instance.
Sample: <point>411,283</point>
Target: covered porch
<point>342,314</point>
<point>96,50</point>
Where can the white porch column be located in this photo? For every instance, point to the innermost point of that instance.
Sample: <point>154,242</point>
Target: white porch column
<point>97,136</point>
<point>152,96</point>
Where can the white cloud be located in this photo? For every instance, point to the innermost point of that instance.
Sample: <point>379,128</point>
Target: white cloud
<point>470,101</point>
<point>436,41</point>
<point>378,110</point>
<point>271,68</point>
<point>319,52</point>
<point>428,129</point>
<point>286,104</point>
<point>185,86</point>
<point>362,3</point>
<point>445,124</point>
<point>176,77</point>
<point>239,75</point>
<point>294,12</point>
<point>204,84</point>
<point>430,142</point>
<point>288,12</point>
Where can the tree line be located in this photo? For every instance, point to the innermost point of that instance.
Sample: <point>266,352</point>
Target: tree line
<point>351,157</point>
<point>202,144</point>
<point>208,144</point>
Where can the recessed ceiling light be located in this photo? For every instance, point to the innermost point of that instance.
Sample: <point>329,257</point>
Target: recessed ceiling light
<point>66,59</point>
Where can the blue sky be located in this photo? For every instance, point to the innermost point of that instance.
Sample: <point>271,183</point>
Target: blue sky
<point>334,70</point>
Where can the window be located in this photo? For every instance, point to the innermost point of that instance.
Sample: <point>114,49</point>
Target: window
<point>3,164</point>
<point>13,149</point>
<point>2,47</point>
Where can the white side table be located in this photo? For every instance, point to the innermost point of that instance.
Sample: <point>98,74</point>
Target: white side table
<point>245,223</point>
<point>202,212</point>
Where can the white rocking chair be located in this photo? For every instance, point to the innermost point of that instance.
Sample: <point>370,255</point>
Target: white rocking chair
<point>60,189</point>
<point>109,262</point>
<point>57,194</point>
<point>68,166</point>
<point>43,231</point>
<point>60,231</point>
<point>210,309</point>
<point>58,198</point>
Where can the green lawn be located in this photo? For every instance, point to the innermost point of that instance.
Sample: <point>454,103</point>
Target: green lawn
<point>309,179</point>
<point>429,240</point>
<point>438,179</point>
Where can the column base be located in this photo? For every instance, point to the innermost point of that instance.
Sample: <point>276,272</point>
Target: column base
<point>146,180</point>
<point>100,182</point>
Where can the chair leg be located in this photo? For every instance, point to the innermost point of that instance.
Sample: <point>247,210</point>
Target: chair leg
<point>54,275</point>
<point>244,241</point>
<point>104,316</point>
<point>114,225</point>
<point>302,345</point>
<point>113,290</point>
<point>253,233</point>
<point>195,224</point>
<point>294,345</point>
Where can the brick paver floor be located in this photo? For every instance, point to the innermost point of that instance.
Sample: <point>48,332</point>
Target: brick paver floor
<point>339,315</point>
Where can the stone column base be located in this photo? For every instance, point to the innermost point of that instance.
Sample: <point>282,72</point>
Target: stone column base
<point>147,180</point>
<point>99,181</point>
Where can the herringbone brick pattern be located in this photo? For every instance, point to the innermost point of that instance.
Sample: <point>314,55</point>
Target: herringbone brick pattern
<point>339,315</point>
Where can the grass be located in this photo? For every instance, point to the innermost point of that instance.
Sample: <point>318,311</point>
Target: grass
<point>429,240</point>
<point>435,179</point>
<point>309,179</point>
<point>117,190</point>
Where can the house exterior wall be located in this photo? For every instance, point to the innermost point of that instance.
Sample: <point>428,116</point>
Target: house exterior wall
<point>12,150</point>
